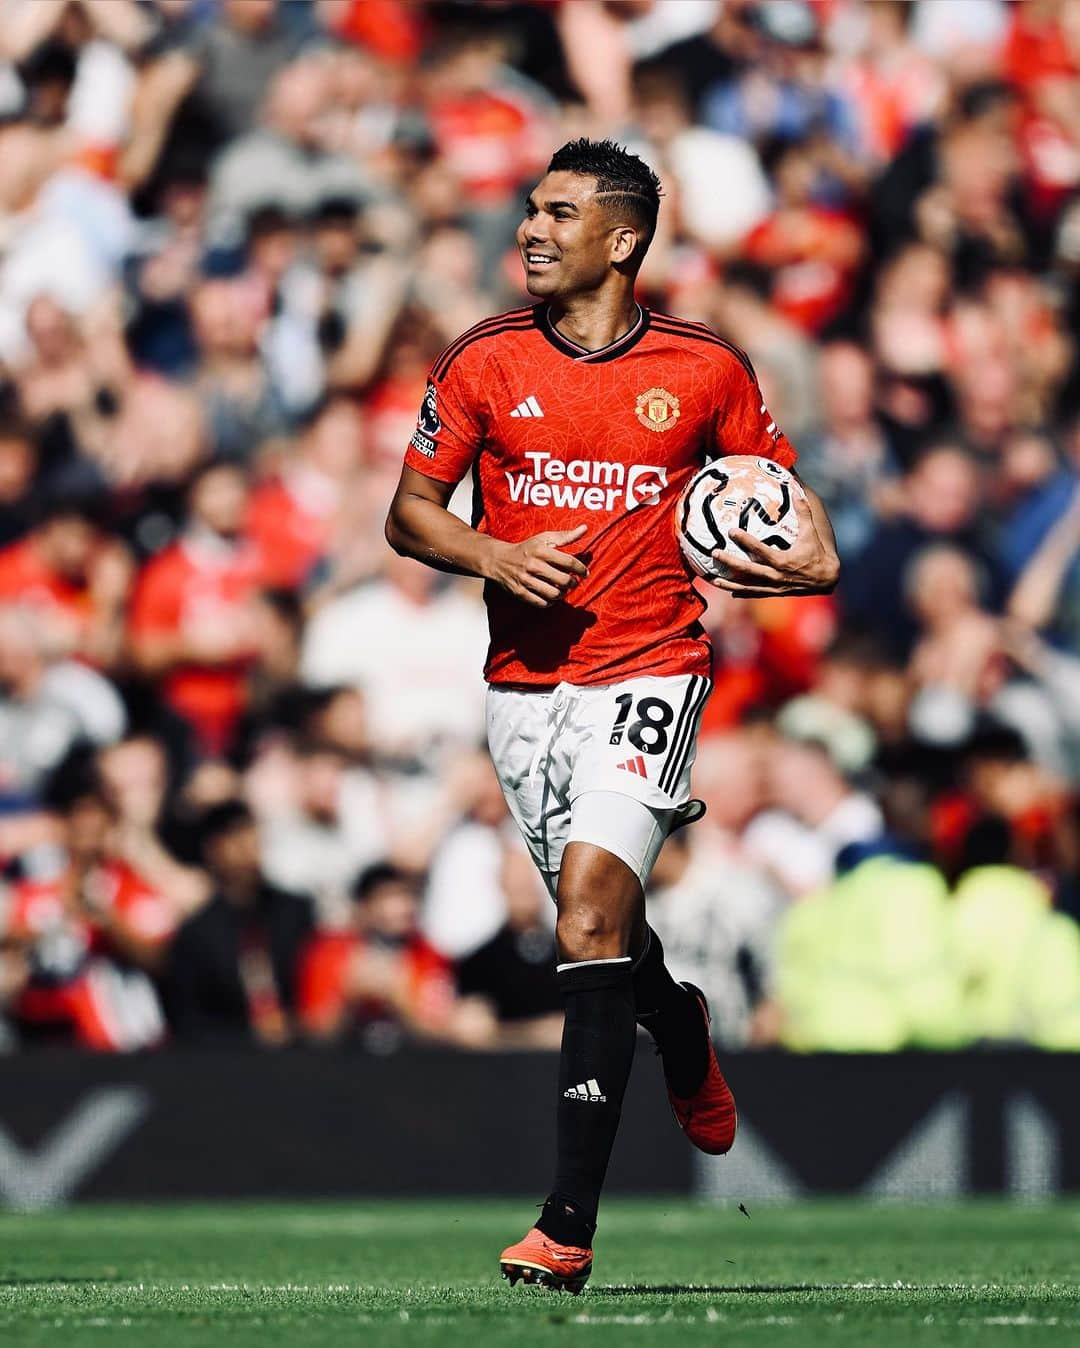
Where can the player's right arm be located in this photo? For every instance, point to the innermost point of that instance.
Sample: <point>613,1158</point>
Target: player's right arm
<point>420,525</point>
<point>450,431</point>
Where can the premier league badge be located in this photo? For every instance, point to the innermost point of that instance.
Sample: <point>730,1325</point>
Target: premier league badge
<point>428,420</point>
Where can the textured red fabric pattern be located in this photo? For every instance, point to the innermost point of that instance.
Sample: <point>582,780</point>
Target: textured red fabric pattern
<point>558,437</point>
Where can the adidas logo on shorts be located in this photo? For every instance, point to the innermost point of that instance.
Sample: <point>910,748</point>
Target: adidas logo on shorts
<point>634,765</point>
<point>586,1090</point>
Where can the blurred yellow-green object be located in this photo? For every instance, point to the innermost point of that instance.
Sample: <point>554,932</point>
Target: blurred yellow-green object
<point>1019,961</point>
<point>865,966</point>
<point>885,959</point>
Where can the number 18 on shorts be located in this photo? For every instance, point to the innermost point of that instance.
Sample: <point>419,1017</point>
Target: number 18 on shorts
<point>635,739</point>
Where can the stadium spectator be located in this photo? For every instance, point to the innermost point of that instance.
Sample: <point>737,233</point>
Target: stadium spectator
<point>47,704</point>
<point>941,504</point>
<point>75,575</point>
<point>812,250</point>
<point>90,931</point>
<point>1041,550</point>
<point>236,56</point>
<point>135,779</point>
<point>421,673</point>
<point>18,483</point>
<point>783,93</point>
<point>815,814</point>
<point>695,158</point>
<point>708,58</point>
<point>283,162</point>
<point>715,918</point>
<point>191,624</point>
<point>864,965</point>
<point>465,903</point>
<point>383,977</point>
<point>298,518</point>
<point>233,966</point>
<point>329,833</point>
<point>850,462</point>
<point>515,970</point>
<point>242,408</point>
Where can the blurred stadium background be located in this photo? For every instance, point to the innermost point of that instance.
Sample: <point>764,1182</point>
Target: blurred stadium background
<point>264,926</point>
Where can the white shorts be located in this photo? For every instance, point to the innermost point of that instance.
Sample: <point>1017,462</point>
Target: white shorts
<point>608,765</point>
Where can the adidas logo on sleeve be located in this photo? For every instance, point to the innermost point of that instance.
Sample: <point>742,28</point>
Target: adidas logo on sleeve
<point>586,1090</point>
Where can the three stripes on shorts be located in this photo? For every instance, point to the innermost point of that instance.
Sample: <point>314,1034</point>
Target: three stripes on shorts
<point>682,738</point>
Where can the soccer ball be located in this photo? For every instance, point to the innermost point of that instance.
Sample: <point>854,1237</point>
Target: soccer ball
<point>738,492</point>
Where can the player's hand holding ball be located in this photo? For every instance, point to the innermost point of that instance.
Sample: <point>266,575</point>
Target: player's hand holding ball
<point>745,525</point>
<point>536,570</point>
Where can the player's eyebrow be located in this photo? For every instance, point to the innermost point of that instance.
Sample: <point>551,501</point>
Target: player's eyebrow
<point>550,207</point>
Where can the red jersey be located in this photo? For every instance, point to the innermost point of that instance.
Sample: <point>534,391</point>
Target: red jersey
<point>38,907</point>
<point>323,995</point>
<point>291,526</point>
<point>490,140</point>
<point>102,1007</point>
<point>556,437</point>
<point>25,578</point>
<point>179,589</point>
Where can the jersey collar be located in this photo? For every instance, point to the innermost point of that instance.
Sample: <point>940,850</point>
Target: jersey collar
<point>619,347</point>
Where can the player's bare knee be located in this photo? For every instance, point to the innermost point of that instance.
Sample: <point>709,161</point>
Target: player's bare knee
<point>589,932</point>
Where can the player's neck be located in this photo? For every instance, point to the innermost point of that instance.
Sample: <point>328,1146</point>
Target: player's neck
<point>596,320</point>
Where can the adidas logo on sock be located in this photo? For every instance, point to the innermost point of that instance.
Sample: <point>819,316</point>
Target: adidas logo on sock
<point>586,1090</point>
<point>529,408</point>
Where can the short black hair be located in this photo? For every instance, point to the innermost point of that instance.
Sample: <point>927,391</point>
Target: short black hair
<point>76,778</point>
<point>50,61</point>
<point>218,820</point>
<point>626,181</point>
<point>984,96</point>
<point>380,873</point>
<point>266,220</point>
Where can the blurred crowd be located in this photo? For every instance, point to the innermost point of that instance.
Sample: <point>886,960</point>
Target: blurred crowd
<point>242,782</point>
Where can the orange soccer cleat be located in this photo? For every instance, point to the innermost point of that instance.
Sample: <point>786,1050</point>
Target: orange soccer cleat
<point>545,1263</point>
<point>708,1117</point>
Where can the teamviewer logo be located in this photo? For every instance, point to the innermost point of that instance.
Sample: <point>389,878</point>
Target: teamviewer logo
<point>644,483</point>
<point>585,484</point>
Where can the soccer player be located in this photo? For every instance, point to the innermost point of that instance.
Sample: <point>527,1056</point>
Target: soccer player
<point>581,418</point>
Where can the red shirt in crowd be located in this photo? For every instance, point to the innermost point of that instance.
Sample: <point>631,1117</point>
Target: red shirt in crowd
<point>1043,64</point>
<point>324,994</point>
<point>190,587</point>
<point>813,253</point>
<point>26,578</point>
<point>557,437</point>
<point>489,140</point>
<point>291,526</point>
<point>94,1003</point>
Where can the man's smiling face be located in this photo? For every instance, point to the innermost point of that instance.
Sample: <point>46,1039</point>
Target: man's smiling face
<point>566,238</point>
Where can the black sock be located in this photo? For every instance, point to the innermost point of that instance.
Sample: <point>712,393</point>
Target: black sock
<point>597,1054</point>
<point>673,1017</point>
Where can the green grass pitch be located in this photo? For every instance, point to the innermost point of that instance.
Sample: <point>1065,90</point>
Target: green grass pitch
<point>667,1273</point>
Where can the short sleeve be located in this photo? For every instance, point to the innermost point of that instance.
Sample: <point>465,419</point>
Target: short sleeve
<point>744,424</point>
<point>448,434</point>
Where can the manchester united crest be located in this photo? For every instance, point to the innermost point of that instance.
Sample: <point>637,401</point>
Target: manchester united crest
<point>657,409</point>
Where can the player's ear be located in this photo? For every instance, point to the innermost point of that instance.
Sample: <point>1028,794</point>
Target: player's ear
<point>623,242</point>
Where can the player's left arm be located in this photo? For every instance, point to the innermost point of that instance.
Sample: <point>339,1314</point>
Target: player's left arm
<point>810,566</point>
